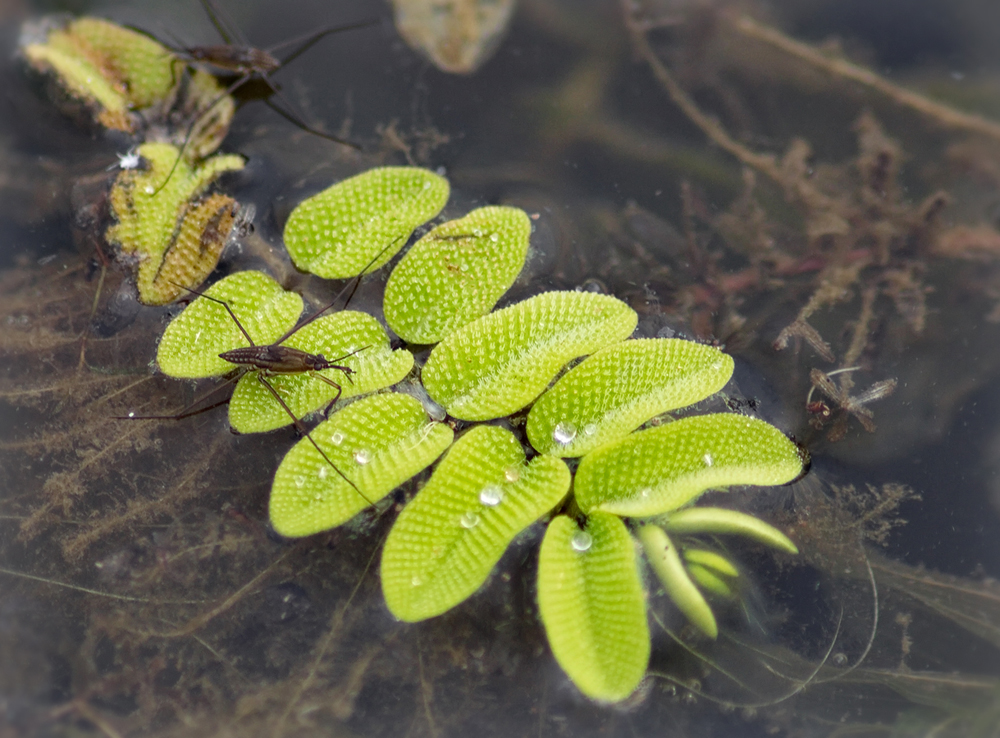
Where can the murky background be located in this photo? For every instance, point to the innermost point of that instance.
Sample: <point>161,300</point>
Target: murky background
<point>141,590</point>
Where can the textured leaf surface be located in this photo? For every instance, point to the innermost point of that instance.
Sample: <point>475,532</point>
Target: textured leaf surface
<point>176,237</point>
<point>592,605</point>
<point>456,273</point>
<point>610,394</point>
<point>499,363</point>
<point>666,563</point>
<point>348,338</point>
<point>661,469</point>
<point>719,520</point>
<point>377,442</point>
<point>191,344</point>
<point>109,68</point>
<point>449,537</point>
<point>338,232</point>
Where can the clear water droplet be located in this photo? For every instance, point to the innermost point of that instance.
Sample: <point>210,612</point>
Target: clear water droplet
<point>150,190</point>
<point>362,456</point>
<point>839,659</point>
<point>581,541</point>
<point>323,472</point>
<point>589,429</point>
<point>512,474</point>
<point>477,232</point>
<point>337,438</point>
<point>564,433</point>
<point>494,237</point>
<point>300,481</point>
<point>317,497</point>
<point>131,414</point>
<point>416,581</point>
<point>491,495</point>
<point>707,458</point>
<point>469,520</point>
<point>645,492</point>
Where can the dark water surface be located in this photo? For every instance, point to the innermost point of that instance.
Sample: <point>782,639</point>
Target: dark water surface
<point>142,591</point>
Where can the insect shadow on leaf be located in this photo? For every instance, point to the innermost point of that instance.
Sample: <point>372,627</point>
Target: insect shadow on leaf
<point>236,56</point>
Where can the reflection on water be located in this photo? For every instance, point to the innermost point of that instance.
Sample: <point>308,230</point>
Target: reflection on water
<point>143,592</point>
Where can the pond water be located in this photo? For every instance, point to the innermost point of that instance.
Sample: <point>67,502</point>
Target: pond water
<point>729,183</point>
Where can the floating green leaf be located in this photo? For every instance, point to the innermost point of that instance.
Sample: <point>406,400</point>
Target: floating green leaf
<point>377,443</point>
<point>610,394</point>
<point>499,363</point>
<point>110,69</point>
<point>666,562</point>
<point>661,469</point>
<point>456,273</point>
<point>592,605</point>
<point>176,237</point>
<point>348,338</point>
<point>719,520</point>
<point>191,344</point>
<point>448,538</point>
<point>338,232</point>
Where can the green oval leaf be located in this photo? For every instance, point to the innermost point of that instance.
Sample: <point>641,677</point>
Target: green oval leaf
<point>449,537</point>
<point>499,363</point>
<point>661,469</point>
<point>191,344</point>
<point>711,581</point>
<point>176,237</point>
<point>592,605</point>
<point>377,443</point>
<point>338,232</point>
<point>456,273</point>
<point>348,338</point>
<point>719,520</point>
<point>610,394</point>
<point>667,565</point>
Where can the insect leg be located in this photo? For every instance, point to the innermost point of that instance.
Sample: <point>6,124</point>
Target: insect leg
<point>307,40</point>
<point>304,431</point>
<point>296,120</point>
<point>221,302</point>
<point>188,411</point>
<point>190,129</point>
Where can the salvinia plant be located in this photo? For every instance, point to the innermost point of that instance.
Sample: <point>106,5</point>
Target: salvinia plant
<point>598,459</point>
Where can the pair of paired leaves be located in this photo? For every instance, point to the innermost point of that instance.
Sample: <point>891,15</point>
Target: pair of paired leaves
<point>165,220</point>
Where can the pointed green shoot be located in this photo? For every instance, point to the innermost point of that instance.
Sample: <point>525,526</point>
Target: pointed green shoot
<point>451,535</point>
<point>351,339</point>
<point>377,442</point>
<point>669,569</point>
<point>711,581</point>
<point>499,363</point>
<point>592,605</point>
<point>337,233</point>
<point>710,560</point>
<point>191,344</point>
<point>456,273</point>
<point>658,470</point>
<point>719,520</point>
<point>610,394</point>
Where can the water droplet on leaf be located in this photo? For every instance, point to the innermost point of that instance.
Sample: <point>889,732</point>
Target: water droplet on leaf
<point>581,541</point>
<point>362,456</point>
<point>564,433</point>
<point>491,495</point>
<point>469,520</point>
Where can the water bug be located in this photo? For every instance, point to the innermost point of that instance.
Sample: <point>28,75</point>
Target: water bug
<point>237,56</point>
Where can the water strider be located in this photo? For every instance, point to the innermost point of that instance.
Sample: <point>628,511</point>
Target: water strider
<point>237,56</point>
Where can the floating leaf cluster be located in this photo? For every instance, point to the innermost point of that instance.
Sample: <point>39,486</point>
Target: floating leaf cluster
<point>126,81</point>
<point>634,486</point>
<point>487,366</point>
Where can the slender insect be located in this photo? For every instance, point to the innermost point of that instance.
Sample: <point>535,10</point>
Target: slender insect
<point>237,56</point>
<point>273,359</point>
